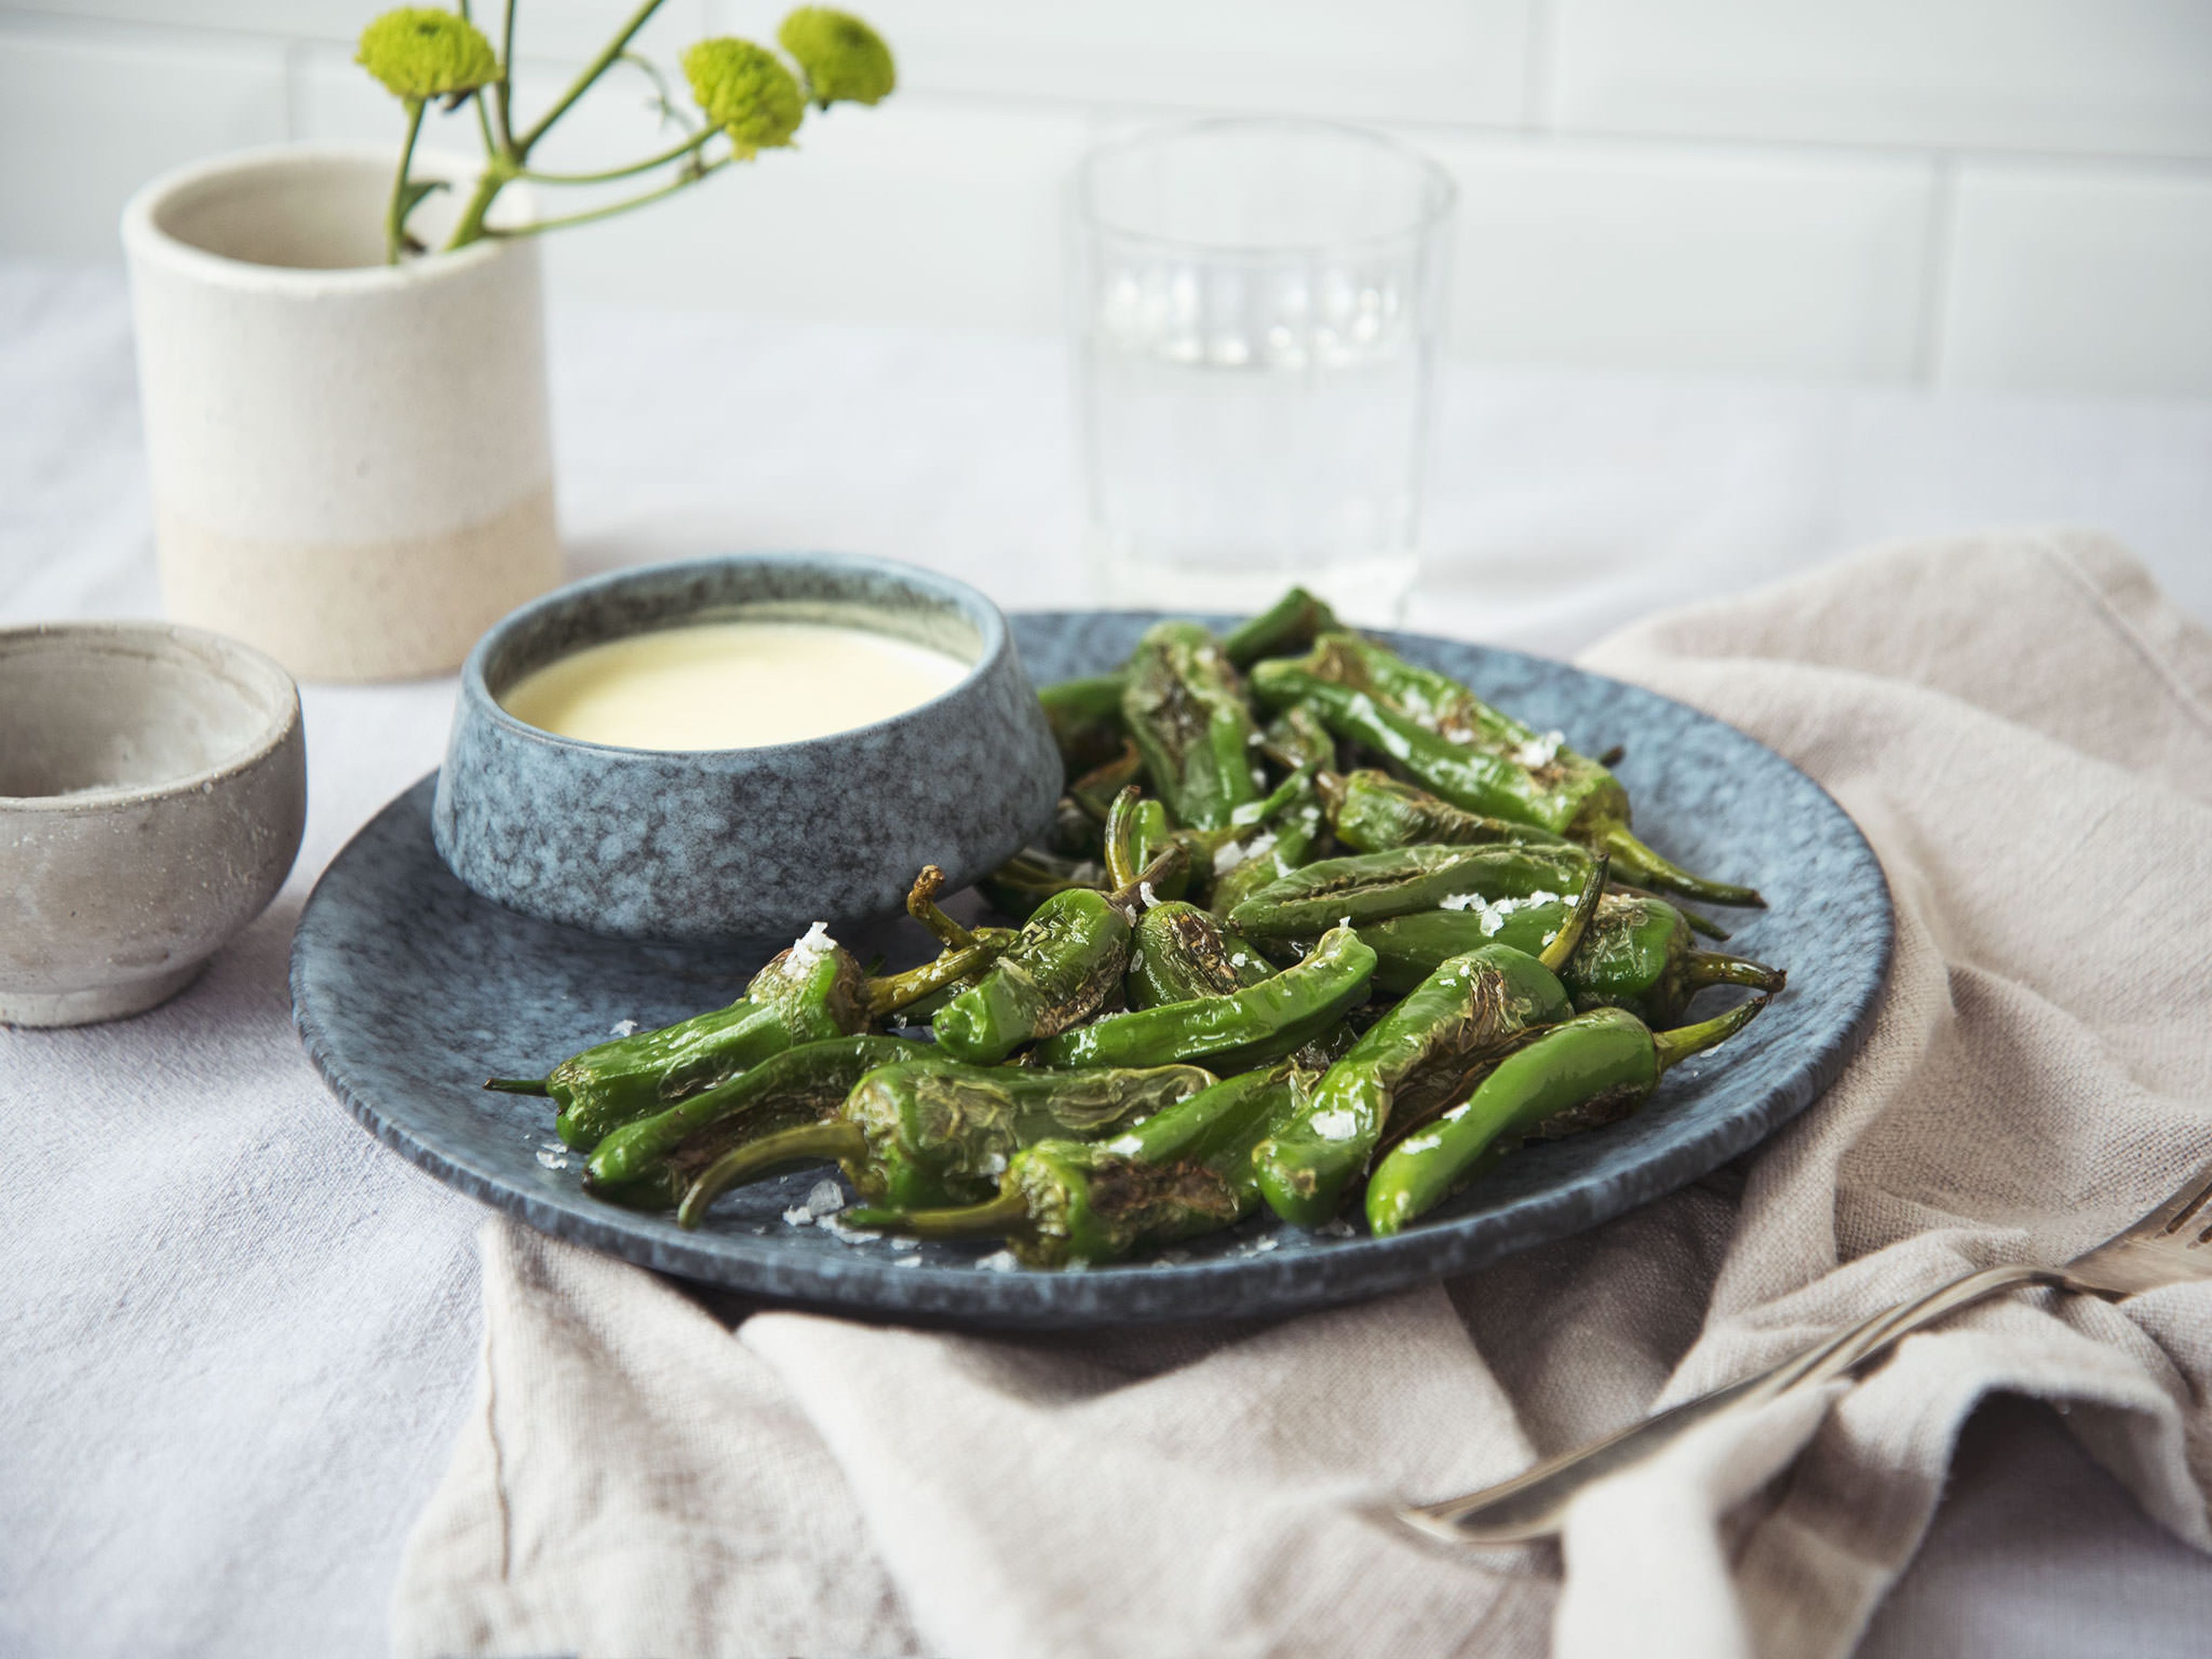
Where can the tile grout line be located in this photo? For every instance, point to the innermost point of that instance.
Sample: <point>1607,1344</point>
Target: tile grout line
<point>1936,269</point>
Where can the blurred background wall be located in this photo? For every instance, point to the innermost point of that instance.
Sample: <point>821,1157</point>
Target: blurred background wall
<point>1997,193</point>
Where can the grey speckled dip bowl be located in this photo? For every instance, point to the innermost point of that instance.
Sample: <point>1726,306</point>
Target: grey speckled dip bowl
<point>711,845</point>
<point>153,788</point>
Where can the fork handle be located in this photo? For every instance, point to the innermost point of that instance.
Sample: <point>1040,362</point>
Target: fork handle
<point>1534,1504</point>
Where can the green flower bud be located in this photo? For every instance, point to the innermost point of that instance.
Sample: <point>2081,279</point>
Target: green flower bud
<point>745,91</point>
<point>845,60</point>
<point>420,53</point>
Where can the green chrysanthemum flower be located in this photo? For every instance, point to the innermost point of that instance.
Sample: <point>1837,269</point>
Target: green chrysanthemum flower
<point>745,91</point>
<point>845,60</point>
<point>420,53</point>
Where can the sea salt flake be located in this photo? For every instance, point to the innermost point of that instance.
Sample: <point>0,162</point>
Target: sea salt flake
<point>999,1261</point>
<point>553,1157</point>
<point>1339,1228</point>
<point>1540,751</point>
<point>1145,892</point>
<point>827,1199</point>
<point>1248,813</point>
<point>811,946</point>
<point>905,1261</point>
<point>904,1241</point>
<point>1338,1125</point>
<point>1459,901</point>
<point>623,1027</point>
<point>995,1163</point>
<point>798,1216</point>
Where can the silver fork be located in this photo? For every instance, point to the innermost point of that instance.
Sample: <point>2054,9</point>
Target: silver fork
<point>2163,1247</point>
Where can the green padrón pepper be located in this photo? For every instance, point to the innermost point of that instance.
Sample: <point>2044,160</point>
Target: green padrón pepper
<point>1637,953</point>
<point>1417,1058</point>
<point>1253,1024</point>
<point>1186,707</point>
<point>928,1133</point>
<point>1474,756</point>
<point>1182,1172</point>
<point>1588,1071</point>
<point>802,1085</point>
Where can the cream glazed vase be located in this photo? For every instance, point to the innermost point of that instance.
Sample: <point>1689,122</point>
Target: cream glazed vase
<point>351,467</point>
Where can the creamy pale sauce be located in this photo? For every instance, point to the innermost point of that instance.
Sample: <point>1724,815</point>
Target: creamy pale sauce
<point>730,685</point>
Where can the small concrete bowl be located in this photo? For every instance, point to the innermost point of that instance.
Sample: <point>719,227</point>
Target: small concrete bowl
<point>153,787</point>
<point>732,843</point>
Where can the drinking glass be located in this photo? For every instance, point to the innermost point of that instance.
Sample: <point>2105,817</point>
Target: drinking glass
<point>1256,307</point>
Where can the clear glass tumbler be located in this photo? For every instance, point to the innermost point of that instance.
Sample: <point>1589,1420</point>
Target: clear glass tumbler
<point>1257,305</point>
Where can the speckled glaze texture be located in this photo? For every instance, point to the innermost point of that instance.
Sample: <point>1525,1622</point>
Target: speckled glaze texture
<point>408,989</point>
<point>729,844</point>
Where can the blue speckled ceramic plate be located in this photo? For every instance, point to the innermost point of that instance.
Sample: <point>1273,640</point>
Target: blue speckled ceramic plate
<point>409,990</point>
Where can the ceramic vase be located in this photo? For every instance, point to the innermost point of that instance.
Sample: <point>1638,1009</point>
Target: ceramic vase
<point>350,462</point>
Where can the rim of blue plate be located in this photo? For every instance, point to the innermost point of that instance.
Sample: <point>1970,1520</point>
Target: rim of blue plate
<point>1251,1277</point>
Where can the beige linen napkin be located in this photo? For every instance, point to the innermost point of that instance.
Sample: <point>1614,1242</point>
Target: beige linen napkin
<point>2021,725</point>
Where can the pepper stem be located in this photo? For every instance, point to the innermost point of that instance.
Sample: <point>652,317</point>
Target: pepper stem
<point>517,1086</point>
<point>994,1217</point>
<point>921,905</point>
<point>1120,837</point>
<point>895,991</point>
<point>1704,968</point>
<point>1561,944</point>
<point>1644,865</point>
<point>833,1142</point>
<point>1675,1047</point>
<point>1698,923</point>
<point>1130,896</point>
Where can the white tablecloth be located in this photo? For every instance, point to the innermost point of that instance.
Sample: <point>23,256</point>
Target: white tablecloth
<point>240,1336</point>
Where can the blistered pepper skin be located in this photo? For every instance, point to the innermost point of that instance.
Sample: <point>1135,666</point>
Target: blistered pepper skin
<point>1067,959</point>
<point>1374,886</point>
<point>1576,1076</point>
<point>800,997</point>
<point>1411,1061</point>
<point>1185,706</point>
<point>1289,1009</point>
<point>1637,953</point>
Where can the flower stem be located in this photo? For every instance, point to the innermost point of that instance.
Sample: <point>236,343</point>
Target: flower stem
<point>690,177</point>
<point>635,167</point>
<point>498,169</point>
<point>504,85</point>
<point>582,83</point>
<point>395,214</point>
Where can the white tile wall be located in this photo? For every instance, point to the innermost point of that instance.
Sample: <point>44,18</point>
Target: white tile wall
<point>86,117</point>
<point>1613,256</point>
<point>1882,190</point>
<point>1382,60</point>
<point>2125,77</point>
<point>2078,279</point>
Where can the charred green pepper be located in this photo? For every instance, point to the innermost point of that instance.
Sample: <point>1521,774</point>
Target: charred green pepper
<point>928,1133</point>
<point>1473,756</point>
<point>1372,812</point>
<point>812,991</point>
<point>1370,886</point>
<point>1182,1172</point>
<point>656,1157</point>
<point>1412,1061</point>
<point>1186,707</point>
<point>1590,1070</point>
<point>1637,953</point>
<point>1178,951</point>
<point>1253,1024</point>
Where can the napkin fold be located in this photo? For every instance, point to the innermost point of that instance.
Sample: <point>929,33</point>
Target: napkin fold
<point>2023,727</point>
